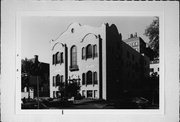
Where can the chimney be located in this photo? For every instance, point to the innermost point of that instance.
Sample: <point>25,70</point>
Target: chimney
<point>131,35</point>
<point>36,58</point>
<point>135,35</point>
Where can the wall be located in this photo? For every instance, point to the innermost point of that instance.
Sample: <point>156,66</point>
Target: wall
<point>81,36</point>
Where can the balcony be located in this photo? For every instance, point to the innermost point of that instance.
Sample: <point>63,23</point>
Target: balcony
<point>73,68</point>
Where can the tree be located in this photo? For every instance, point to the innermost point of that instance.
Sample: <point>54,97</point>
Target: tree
<point>152,32</point>
<point>71,89</point>
<point>25,73</point>
<point>26,66</point>
<point>28,69</point>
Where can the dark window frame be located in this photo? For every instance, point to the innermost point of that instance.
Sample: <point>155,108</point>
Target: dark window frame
<point>83,53</point>
<point>95,80</point>
<point>83,79</point>
<point>58,78</point>
<point>89,78</point>
<point>61,57</point>
<point>73,59</point>
<point>95,54</point>
<point>58,58</point>
<point>89,51</point>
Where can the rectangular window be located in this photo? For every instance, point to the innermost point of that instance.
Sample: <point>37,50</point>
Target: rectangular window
<point>58,57</point>
<point>83,79</point>
<point>95,94</point>
<point>158,69</point>
<point>94,50</point>
<point>95,77</point>
<point>83,53</point>
<point>61,78</point>
<point>89,93</point>
<point>53,81</point>
<point>61,59</point>
<point>53,59</point>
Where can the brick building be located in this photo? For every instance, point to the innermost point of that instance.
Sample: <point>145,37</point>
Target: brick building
<point>33,79</point>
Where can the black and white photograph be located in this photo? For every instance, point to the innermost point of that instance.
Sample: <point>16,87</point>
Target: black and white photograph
<point>96,61</point>
<point>90,62</point>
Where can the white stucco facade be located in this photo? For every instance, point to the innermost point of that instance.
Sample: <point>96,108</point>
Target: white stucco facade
<point>78,36</point>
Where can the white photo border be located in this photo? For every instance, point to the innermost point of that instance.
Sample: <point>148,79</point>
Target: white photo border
<point>11,13</point>
<point>19,15</point>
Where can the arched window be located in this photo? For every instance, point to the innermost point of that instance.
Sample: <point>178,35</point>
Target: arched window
<point>73,59</point>
<point>58,57</point>
<point>94,50</point>
<point>83,79</point>
<point>89,51</point>
<point>95,77</point>
<point>89,77</point>
<point>73,55</point>
<point>83,53</point>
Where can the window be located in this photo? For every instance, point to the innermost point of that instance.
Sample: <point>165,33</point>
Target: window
<point>54,81</point>
<point>74,66</point>
<point>158,69</point>
<point>95,94</point>
<point>83,53</point>
<point>83,79</point>
<point>89,77</point>
<point>61,79</point>
<point>53,59</point>
<point>89,51</point>
<point>73,56</point>
<point>89,93</point>
<point>61,57</point>
<point>58,58</point>
<point>94,50</point>
<point>58,80</point>
<point>95,77</point>
<point>72,30</point>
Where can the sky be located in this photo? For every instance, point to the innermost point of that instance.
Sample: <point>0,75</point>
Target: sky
<point>37,31</point>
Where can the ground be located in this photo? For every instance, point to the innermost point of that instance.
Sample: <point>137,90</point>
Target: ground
<point>89,104</point>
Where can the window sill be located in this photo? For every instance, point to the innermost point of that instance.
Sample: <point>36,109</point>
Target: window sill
<point>74,68</point>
